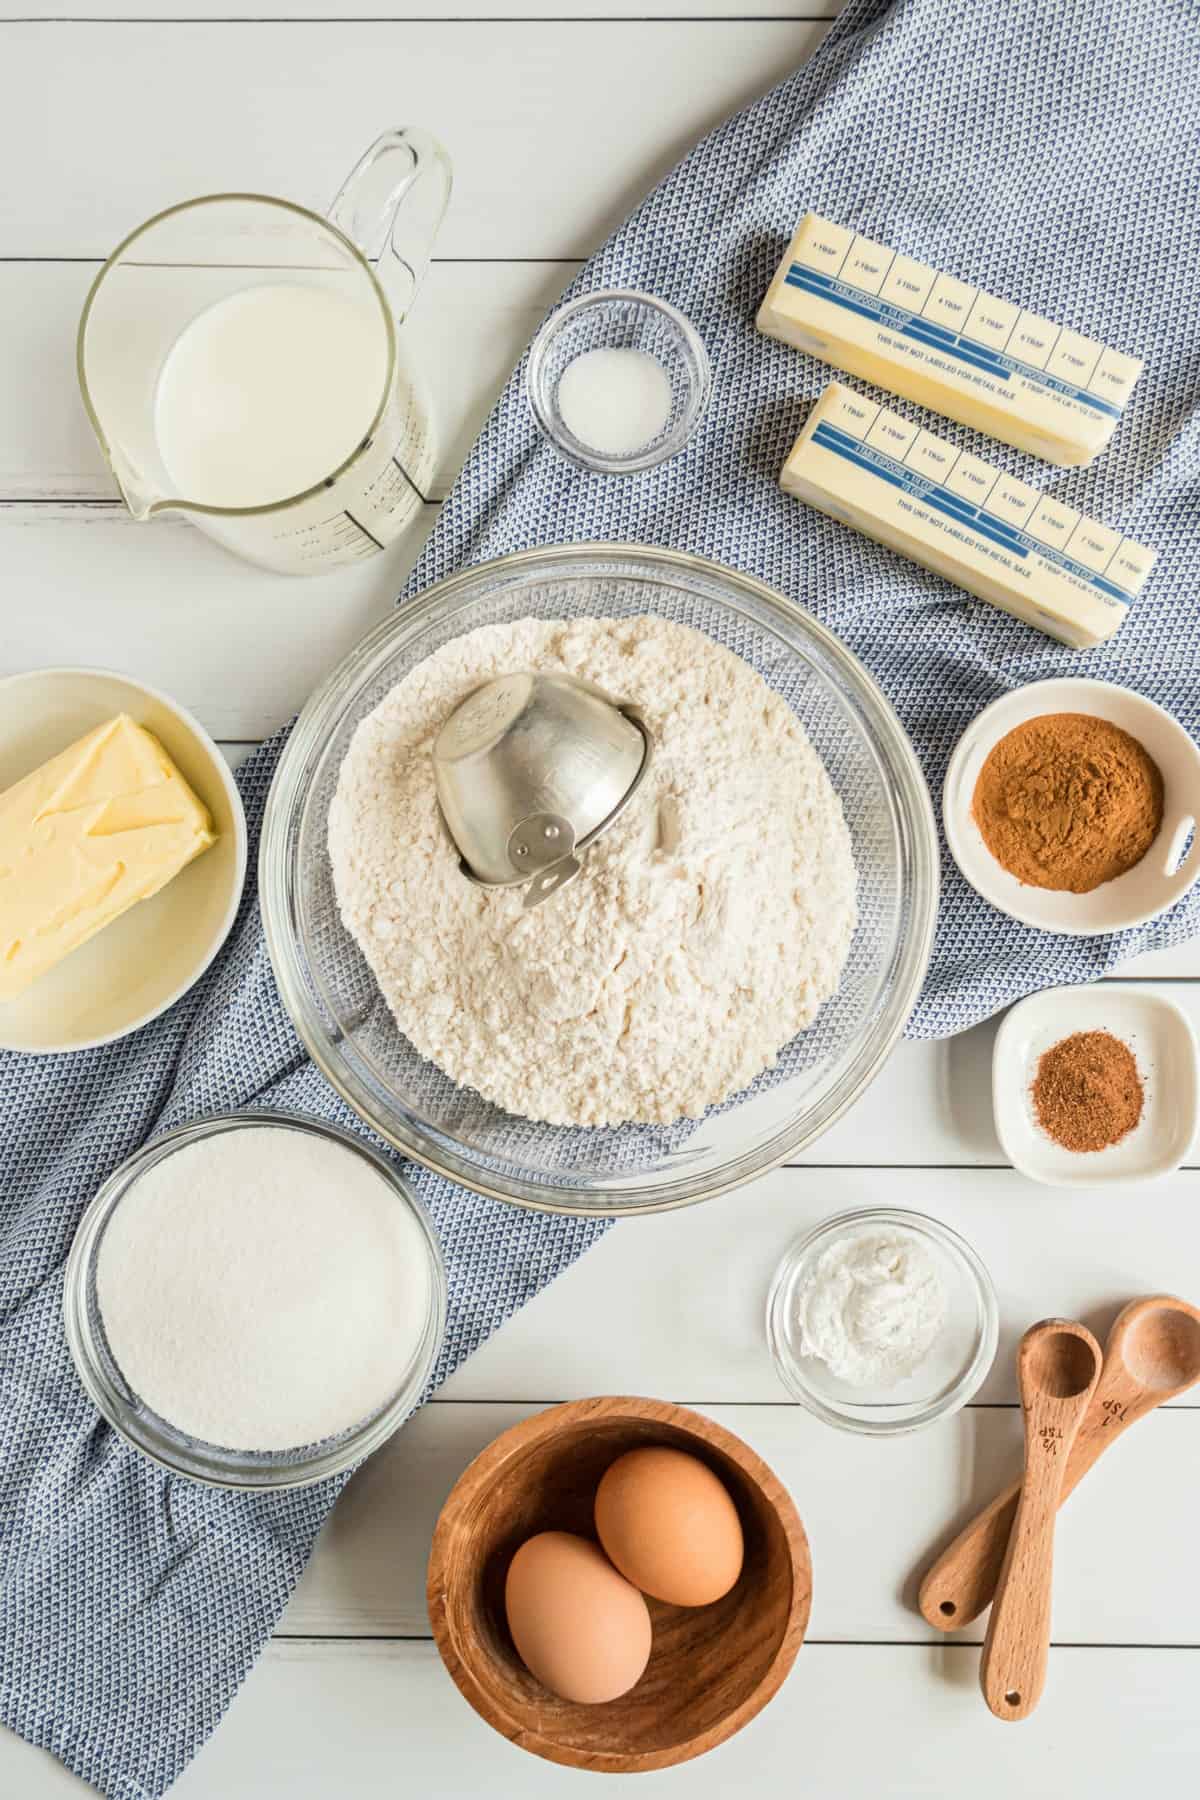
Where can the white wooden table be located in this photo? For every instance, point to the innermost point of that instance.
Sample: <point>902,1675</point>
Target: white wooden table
<point>557,125</point>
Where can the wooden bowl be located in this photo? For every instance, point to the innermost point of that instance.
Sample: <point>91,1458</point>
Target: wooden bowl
<point>712,1668</point>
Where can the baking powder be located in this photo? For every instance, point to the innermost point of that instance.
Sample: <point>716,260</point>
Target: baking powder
<point>871,1307</point>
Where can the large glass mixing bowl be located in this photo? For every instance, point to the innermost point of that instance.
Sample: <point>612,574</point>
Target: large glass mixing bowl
<point>353,1038</point>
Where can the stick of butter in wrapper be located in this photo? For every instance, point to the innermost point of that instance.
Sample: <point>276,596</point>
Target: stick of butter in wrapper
<point>104,824</point>
<point>955,514</point>
<point>946,345</point>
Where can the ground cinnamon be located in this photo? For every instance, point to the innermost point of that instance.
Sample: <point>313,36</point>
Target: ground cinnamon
<point>1068,801</point>
<point>1087,1092</point>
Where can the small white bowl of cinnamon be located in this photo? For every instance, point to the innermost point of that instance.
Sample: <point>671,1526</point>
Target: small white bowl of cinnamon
<point>1095,1084</point>
<point>1072,806</point>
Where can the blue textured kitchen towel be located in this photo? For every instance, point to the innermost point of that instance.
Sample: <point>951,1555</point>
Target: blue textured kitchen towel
<point>1044,148</point>
<point>1047,150</point>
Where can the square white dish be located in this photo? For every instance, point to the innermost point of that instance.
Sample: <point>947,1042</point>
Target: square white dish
<point>1164,1046</point>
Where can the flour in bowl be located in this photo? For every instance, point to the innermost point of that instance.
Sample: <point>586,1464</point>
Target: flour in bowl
<point>710,923</point>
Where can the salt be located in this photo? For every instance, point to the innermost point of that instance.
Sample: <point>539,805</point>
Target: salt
<point>614,401</point>
<point>263,1288</point>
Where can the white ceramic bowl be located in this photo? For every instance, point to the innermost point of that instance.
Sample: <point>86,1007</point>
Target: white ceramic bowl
<point>1164,874</point>
<point>1164,1045</point>
<point>145,960</point>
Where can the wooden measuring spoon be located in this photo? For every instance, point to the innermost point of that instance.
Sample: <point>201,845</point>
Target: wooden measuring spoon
<point>1152,1354</point>
<point>1058,1366</point>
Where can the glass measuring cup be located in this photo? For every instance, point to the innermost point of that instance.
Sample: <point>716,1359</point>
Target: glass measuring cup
<point>184,264</point>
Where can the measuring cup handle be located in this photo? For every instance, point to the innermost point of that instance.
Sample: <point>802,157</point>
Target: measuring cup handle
<point>391,205</point>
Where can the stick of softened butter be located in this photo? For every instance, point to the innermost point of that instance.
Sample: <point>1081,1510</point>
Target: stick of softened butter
<point>100,826</point>
<point>947,345</point>
<point>994,535</point>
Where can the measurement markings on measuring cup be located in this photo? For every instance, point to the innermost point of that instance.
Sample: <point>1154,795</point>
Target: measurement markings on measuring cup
<point>376,541</point>
<point>338,537</point>
<point>422,497</point>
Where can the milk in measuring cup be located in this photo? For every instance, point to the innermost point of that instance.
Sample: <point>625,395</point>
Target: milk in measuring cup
<point>267,392</point>
<point>238,360</point>
<point>264,395</point>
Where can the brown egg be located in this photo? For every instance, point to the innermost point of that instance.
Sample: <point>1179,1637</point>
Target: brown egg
<point>578,1625</point>
<point>670,1526</point>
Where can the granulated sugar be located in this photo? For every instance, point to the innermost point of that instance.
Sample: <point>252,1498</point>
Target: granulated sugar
<point>263,1288</point>
<point>709,923</point>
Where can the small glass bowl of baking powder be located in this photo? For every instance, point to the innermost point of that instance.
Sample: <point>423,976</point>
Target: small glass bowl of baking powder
<point>617,381</point>
<point>237,1318</point>
<point>952,1367</point>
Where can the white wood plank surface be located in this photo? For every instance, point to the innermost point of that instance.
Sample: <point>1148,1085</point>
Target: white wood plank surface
<point>318,1720</point>
<point>1182,963</point>
<point>165,602</point>
<point>557,129</point>
<point>558,122</point>
<point>674,1304</point>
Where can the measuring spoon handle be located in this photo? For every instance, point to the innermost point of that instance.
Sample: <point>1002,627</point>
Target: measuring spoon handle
<point>962,1582</point>
<point>1056,1391</point>
<point>1012,1672</point>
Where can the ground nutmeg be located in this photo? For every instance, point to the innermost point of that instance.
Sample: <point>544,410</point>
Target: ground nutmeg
<point>1068,801</point>
<point>1087,1092</point>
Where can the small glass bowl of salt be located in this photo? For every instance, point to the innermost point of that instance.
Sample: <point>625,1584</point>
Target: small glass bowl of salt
<point>618,380</point>
<point>255,1300</point>
<point>882,1321</point>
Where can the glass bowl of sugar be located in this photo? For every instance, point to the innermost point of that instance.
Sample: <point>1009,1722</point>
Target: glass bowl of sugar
<point>617,381</point>
<point>882,1321</point>
<point>255,1300</point>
